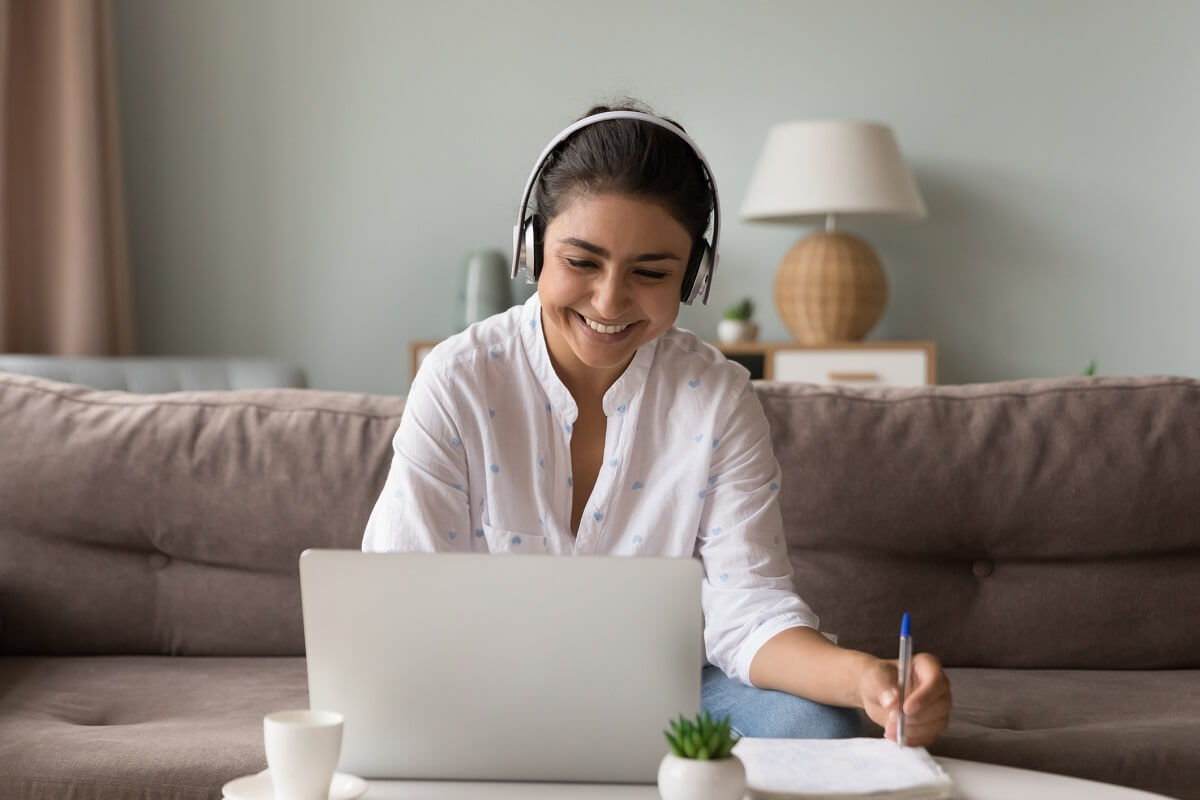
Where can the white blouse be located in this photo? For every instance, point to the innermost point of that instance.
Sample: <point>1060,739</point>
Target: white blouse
<point>482,463</point>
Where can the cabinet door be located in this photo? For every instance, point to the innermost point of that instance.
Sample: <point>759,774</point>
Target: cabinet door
<point>860,366</point>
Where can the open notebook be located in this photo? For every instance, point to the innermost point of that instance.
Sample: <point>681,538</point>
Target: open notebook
<point>840,768</point>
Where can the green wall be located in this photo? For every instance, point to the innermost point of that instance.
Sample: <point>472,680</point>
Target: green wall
<point>304,179</point>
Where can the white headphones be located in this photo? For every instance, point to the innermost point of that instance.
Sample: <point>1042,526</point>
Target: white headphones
<point>527,233</point>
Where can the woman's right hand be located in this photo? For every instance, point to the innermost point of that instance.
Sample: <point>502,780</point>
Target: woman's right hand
<point>927,706</point>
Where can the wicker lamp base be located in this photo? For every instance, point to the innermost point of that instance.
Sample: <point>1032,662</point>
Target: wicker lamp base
<point>830,288</point>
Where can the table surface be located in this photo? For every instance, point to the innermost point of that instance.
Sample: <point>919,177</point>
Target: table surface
<point>972,780</point>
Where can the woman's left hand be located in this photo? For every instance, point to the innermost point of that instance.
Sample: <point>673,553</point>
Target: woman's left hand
<point>927,707</point>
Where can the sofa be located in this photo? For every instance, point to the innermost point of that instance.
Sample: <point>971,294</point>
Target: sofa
<point>155,374</point>
<point>1044,535</point>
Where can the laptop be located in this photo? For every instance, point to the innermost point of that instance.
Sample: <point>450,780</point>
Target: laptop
<point>502,667</point>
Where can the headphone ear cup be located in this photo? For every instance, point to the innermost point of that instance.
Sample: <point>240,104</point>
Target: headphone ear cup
<point>698,270</point>
<point>533,248</point>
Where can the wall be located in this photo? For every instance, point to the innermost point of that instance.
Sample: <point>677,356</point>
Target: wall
<point>304,179</point>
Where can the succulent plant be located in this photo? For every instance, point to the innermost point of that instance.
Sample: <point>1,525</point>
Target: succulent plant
<point>704,739</point>
<point>743,310</point>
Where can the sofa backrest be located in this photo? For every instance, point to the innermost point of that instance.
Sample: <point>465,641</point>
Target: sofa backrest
<point>1045,523</point>
<point>172,523</point>
<point>1038,523</point>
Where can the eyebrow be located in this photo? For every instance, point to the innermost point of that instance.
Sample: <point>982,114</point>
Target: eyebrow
<point>600,251</point>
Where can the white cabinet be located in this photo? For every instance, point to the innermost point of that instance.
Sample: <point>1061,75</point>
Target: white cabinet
<point>851,364</point>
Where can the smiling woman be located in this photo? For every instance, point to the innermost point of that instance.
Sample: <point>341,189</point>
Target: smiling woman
<point>610,282</point>
<point>585,422</point>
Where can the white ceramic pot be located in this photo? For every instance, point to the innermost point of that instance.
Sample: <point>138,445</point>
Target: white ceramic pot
<point>691,779</point>
<point>731,331</point>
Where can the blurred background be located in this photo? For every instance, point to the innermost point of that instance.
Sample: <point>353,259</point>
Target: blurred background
<point>304,179</point>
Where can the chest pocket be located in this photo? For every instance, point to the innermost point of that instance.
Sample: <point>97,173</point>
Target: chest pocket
<point>503,541</point>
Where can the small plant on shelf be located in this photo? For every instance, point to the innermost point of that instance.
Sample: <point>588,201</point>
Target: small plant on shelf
<point>737,325</point>
<point>742,311</point>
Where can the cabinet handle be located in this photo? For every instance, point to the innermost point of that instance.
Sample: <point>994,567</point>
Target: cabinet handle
<point>854,377</point>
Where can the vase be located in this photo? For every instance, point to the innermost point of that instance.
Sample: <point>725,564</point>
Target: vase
<point>485,288</point>
<point>693,779</point>
<point>732,331</point>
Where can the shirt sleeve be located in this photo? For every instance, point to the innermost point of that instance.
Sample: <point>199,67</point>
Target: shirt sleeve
<point>424,505</point>
<point>748,594</point>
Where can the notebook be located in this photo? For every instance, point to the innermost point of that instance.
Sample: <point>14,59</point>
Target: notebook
<point>484,667</point>
<point>840,768</point>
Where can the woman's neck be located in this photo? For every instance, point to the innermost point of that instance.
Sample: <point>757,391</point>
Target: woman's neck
<point>587,385</point>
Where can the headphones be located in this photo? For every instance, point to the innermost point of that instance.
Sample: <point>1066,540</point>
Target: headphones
<point>527,233</point>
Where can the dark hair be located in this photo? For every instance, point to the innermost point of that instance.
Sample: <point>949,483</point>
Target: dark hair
<point>630,157</point>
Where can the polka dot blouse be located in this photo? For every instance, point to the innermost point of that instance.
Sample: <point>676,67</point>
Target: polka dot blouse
<point>482,463</point>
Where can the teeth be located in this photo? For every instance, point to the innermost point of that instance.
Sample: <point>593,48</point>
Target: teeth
<point>596,326</point>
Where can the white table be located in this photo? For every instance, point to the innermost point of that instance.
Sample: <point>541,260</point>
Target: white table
<point>972,780</point>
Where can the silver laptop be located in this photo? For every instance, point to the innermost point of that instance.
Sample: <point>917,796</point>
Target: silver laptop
<point>482,667</point>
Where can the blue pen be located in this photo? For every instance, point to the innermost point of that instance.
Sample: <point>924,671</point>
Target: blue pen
<point>905,675</point>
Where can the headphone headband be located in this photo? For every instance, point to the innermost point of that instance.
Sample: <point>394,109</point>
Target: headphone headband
<point>522,214</point>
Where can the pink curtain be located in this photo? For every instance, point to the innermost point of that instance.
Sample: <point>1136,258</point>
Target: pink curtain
<point>64,273</point>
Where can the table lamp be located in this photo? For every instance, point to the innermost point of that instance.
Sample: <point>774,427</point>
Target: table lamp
<point>830,286</point>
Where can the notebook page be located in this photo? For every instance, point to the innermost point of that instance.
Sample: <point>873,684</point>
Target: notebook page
<point>819,767</point>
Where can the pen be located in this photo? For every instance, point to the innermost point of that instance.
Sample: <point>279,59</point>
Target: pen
<point>905,674</point>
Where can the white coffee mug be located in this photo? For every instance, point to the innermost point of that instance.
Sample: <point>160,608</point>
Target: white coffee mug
<point>302,752</point>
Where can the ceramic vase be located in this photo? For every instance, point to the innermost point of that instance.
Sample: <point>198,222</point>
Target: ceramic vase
<point>731,331</point>
<point>485,287</point>
<point>693,779</point>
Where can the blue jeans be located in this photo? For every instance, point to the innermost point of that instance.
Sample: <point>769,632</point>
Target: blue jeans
<point>765,713</point>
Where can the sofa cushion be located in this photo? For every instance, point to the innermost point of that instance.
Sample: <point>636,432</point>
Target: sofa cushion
<point>153,727</point>
<point>173,523</point>
<point>1038,523</point>
<point>1130,728</point>
<point>137,727</point>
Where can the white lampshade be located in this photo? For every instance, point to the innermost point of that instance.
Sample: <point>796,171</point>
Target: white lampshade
<point>810,170</point>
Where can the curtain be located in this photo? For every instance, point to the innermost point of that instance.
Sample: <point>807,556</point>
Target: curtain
<point>64,273</point>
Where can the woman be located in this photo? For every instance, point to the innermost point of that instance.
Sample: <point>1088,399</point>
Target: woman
<point>585,423</point>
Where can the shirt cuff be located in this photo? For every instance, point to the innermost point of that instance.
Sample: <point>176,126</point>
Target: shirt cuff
<point>760,635</point>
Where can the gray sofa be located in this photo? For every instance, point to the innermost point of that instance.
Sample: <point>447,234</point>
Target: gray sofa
<point>154,374</point>
<point>1045,535</point>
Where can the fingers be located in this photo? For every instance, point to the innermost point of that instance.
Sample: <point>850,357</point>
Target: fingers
<point>921,733</point>
<point>919,730</point>
<point>929,684</point>
<point>926,667</point>
<point>927,708</point>
<point>877,690</point>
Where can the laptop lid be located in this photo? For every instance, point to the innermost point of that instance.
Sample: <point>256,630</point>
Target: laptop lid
<point>482,667</point>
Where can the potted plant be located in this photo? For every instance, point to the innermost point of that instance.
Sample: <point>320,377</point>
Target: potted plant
<point>701,764</point>
<point>736,326</point>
